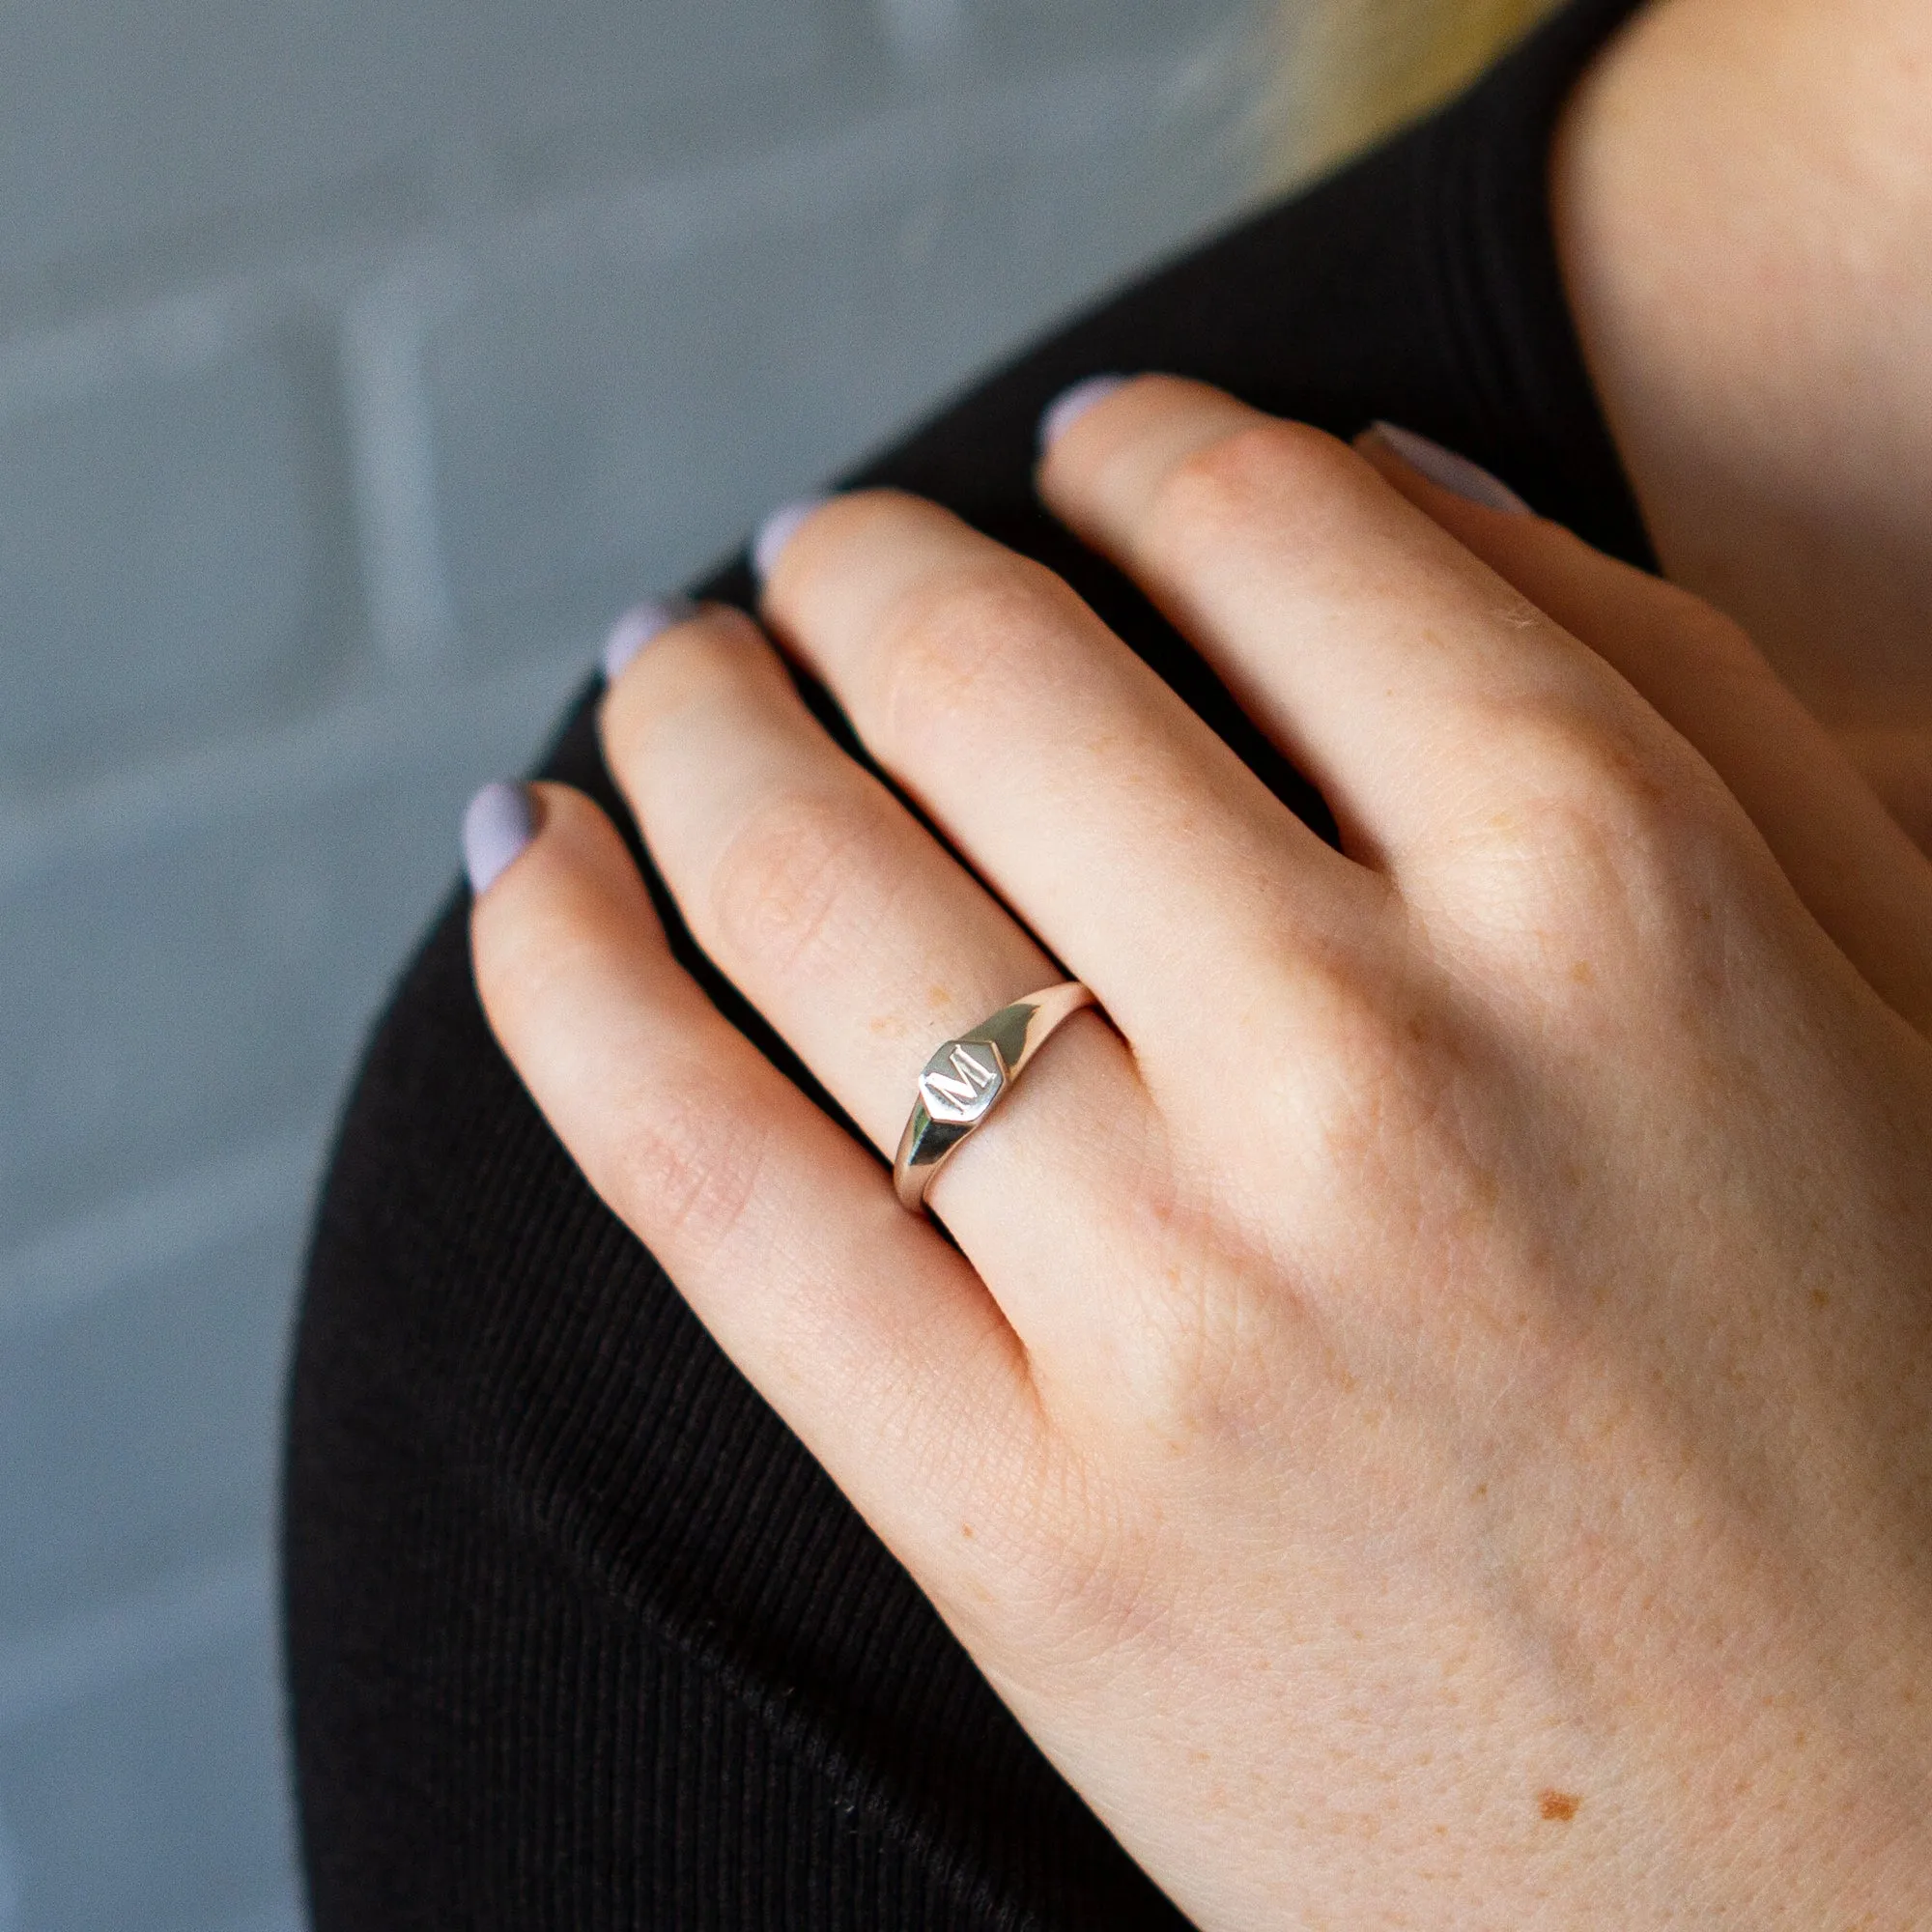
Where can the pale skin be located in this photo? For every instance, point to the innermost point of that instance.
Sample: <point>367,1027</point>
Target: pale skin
<point>1427,1419</point>
<point>1743,193</point>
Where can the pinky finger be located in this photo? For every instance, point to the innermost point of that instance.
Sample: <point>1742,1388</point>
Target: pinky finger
<point>869,1334</point>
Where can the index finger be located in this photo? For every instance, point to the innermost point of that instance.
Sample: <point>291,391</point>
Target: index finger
<point>1863,879</point>
<point>1420,691</point>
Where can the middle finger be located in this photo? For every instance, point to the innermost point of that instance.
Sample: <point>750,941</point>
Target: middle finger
<point>1115,821</point>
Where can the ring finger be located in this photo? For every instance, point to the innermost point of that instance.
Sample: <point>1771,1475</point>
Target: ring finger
<point>866,944</point>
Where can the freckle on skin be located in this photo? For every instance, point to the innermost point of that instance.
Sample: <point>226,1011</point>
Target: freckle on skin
<point>1583,973</point>
<point>1559,1806</point>
<point>966,1530</point>
<point>1820,1298</point>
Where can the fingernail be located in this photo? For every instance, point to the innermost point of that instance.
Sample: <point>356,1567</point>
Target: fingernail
<point>1453,473</point>
<point>1070,405</point>
<point>638,627</point>
<point>777,530</point>
<point>497,825</point>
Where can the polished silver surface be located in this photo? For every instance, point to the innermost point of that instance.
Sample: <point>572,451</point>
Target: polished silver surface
<point>968,1077</point>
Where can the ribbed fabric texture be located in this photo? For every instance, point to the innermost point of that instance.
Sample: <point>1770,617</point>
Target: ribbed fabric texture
<point>578,1636</point>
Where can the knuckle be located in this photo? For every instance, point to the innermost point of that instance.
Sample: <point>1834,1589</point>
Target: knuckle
<point>1358,1055</point>
<point>956,643</point>
<point>1601,794</point>
<point>1259,463</point>
<point>1719,641</point>
<point>1379,1093</point>
<point>685,1170</point>
<point>1075,1563</point>
<point>801,875</point>
<point>1606,827</point>
<point>1211,1329</point>
<point>1334,1032</point>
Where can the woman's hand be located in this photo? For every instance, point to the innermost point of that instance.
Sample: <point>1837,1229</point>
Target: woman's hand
<point>1427,1422</point>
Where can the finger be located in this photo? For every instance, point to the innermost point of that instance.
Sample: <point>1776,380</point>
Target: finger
<point>867,1333</point>
<point>1117,826</point>
<point>1865,882</point>
<point>866,944</point>
<point>1418,690</point>
<point>1896,761</point>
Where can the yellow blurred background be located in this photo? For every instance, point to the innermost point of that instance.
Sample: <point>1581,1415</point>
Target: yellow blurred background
<point>1352,70</point>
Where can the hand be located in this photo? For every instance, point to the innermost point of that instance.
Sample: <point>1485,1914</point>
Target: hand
<point>1427,1422</point>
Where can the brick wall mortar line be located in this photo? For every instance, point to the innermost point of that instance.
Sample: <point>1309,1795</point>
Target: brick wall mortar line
<point>184,1613</point>
<point>373,731</point>
<point>182,333</point>
<point>393,454</point>
<point>157,1227</point>
<point>924,140</point>
<point>646,215</point>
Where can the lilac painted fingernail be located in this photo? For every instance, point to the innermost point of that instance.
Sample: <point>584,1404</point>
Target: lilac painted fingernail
<point>497,825</point>
<point>777,530</point>
<point>638,627</point>
<point>1455,473</point>
<point>1070,405</point>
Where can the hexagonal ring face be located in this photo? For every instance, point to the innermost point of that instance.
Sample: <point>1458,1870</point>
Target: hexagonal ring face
<point>961,1081</point>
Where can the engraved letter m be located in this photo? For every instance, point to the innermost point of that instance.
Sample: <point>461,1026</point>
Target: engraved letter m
<point>970,1077</point>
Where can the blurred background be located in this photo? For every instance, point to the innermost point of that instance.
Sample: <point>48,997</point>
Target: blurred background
<point>358,362</point>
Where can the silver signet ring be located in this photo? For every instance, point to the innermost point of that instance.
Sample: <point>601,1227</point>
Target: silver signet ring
<point>966,1079</point>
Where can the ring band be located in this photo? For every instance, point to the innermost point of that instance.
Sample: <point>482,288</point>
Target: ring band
<point>968,1077</point>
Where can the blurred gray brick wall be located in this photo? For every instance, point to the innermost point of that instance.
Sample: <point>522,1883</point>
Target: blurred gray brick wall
<point>357,362</point>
